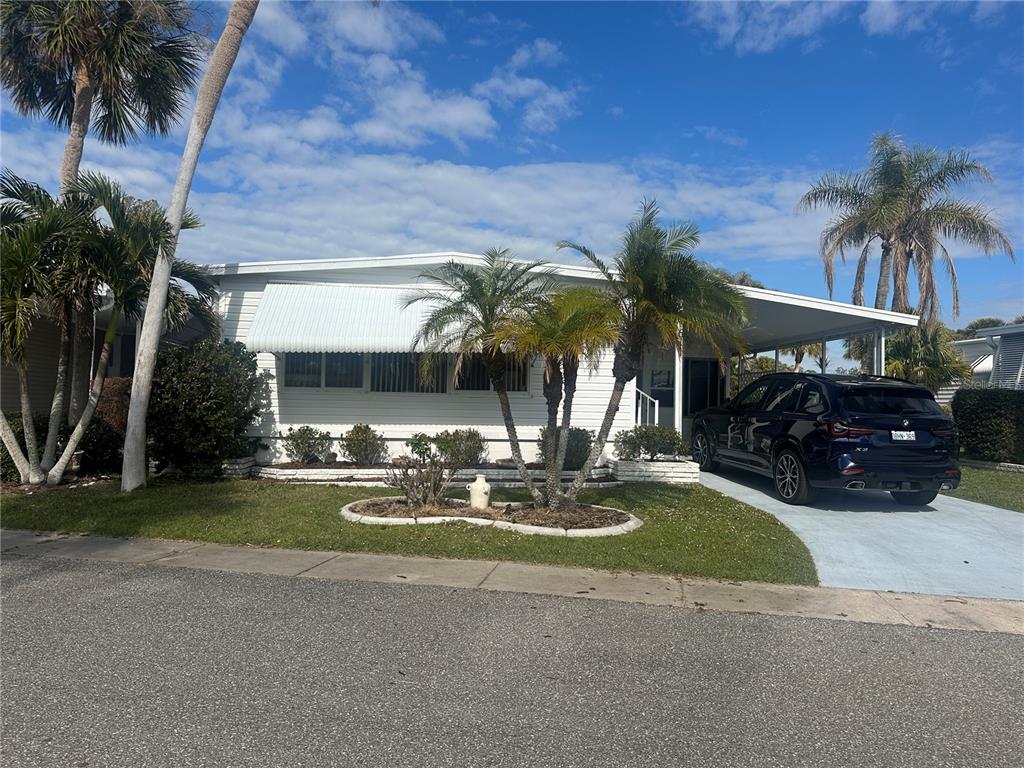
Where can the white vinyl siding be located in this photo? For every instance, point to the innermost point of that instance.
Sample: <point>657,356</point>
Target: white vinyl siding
<point>400,415</point>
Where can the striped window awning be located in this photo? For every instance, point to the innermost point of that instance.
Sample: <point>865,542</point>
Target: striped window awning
<point>318,317</point>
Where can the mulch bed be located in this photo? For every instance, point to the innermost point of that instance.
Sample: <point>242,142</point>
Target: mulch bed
<point>579,516</point>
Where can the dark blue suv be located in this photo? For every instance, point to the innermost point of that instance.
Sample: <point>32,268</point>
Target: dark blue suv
<point>809,431</point>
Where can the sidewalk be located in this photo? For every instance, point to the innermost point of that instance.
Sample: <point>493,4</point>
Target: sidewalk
<point>872,607</point>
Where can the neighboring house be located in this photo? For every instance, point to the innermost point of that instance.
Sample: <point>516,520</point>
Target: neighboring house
<point>337,344</point>
<point>996,357</point>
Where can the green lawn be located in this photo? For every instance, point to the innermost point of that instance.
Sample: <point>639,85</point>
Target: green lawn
<point>990,486</point>
<point>688,530</point>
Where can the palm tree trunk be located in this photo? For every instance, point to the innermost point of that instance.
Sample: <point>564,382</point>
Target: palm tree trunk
<point>513,442</point>
<point>57,404</point>
<point>570,369</point>
<point>56,474</point>
<point>13,449</point>
<point>602,438</point>
<point>28,427</point>
<point>133,474</point>
<point>81,114</point>
<point>900,278</point>
<point>553,396</point>
<point>884,276</point>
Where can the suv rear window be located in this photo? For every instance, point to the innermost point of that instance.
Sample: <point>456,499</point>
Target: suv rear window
<point>889,401</point>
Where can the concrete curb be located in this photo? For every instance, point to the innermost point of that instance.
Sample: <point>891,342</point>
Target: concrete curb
<point>352,516</point>
<point>872,607</point>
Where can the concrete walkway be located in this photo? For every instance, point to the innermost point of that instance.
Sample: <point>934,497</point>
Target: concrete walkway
<point>782,600</point>
<point>865,540</point>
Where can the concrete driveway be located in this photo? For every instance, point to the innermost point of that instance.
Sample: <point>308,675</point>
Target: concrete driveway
<point>865,540</point>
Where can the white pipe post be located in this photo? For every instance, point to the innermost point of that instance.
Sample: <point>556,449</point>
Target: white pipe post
<point>677,392</point>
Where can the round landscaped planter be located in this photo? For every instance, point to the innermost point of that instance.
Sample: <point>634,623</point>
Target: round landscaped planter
<point>498,477</point>
<point>632,522</point>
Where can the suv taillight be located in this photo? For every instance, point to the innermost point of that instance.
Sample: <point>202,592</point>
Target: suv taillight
<point>842,429</point>
<point>947,432</point>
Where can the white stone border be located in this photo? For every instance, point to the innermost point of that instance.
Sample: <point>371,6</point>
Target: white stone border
<point>631,524</point>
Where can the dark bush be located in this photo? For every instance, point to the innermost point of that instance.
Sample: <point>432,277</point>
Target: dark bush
<point>112,408</point>
<point>364,446</point>
<point>577,450</point>
<point>462,448</point>
<point>307,444</point>
<point>646,442</point>
<point>990,423</point>
<point>204,398</point>
<point>101,447</point>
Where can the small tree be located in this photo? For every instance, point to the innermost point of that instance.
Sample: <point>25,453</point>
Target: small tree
<point>926,356</point>
<point>205,397</point>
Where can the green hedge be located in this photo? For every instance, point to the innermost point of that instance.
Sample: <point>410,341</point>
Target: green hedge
<point>990,423</point>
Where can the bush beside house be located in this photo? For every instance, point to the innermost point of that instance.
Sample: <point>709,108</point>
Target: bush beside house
<point>647,442</point>
<point>990,423</point>
<point>364,446</point>
<point>204,399</point>
<point>577,451</point>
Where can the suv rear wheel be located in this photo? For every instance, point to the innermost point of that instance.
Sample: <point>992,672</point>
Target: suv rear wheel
<point>791,478</point>
<point>701,452</point>
<point>914,498</point>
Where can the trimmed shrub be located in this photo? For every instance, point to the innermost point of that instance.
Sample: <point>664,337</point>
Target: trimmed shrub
<point>307,444</point>
<point>204,398</point>
<point>112,408</point>
<point>646,442</point>
<point>577,450</point>
<point>462,448</point>
<point>990,423</point>
<point>364,446</point>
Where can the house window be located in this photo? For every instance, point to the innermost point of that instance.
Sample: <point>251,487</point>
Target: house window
<point>302,369</point>
<point>127,354</point>
<point>343,369</point>
<point>401,372</point>
<point>473,375</point>
<point>316,369</point>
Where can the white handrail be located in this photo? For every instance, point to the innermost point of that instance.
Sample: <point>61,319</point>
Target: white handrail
<point>644,407</point>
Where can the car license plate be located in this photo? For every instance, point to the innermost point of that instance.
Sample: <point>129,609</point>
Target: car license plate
<point>911,435</point>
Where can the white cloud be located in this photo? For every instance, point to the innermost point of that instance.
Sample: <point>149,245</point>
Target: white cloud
<point>276,22</point>
<point>763,27</point>
<point>720,135</point>
<point>885,17</point>
<point>544,105</point>
<point>387,27</point>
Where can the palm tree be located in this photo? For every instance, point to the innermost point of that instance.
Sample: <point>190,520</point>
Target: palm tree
<point>116,67</point>
<point>571,325</point>
<point>469,306</point>
<point>902,202</point>
<point>926,356</point>
<point>69,285</point>
<point>124,255</point>
<point>661,291</point>
<point>240,16</point>
<point>799,352</point>
<point>120,68</point>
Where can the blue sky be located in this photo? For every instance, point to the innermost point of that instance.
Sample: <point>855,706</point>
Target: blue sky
<point>351,130</point>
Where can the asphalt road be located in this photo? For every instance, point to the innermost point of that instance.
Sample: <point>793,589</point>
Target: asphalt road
<point>113,665</point>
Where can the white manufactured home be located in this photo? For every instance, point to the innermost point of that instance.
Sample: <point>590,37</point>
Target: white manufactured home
<point>337,344</point>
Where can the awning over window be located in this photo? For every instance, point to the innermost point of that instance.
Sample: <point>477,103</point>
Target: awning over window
<point>322,317</point>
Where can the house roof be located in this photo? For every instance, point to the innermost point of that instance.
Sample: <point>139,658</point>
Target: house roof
<point>335,315</point>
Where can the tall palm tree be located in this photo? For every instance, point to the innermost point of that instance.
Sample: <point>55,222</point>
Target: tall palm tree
<point>116,68</point>
<point>663,293</point>
<point>903,202</point>
<point>119,68</point>
<point>124,254</point>
<point>468,306</point>
<point>926,356</point>
<point>240,16</point>
<point>571,325</point>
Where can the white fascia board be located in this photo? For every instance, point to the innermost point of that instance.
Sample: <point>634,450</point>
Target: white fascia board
<point>826,305</point>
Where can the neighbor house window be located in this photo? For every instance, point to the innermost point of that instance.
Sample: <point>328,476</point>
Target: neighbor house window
<point>402,372</point>
<point>473,375</point>
<point>316,369</point>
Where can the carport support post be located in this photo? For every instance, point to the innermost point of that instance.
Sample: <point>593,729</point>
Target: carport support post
<point>879,356</point>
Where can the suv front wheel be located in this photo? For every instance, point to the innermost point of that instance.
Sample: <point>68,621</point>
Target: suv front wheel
<point>791,478</point>
<point>700,450</point>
